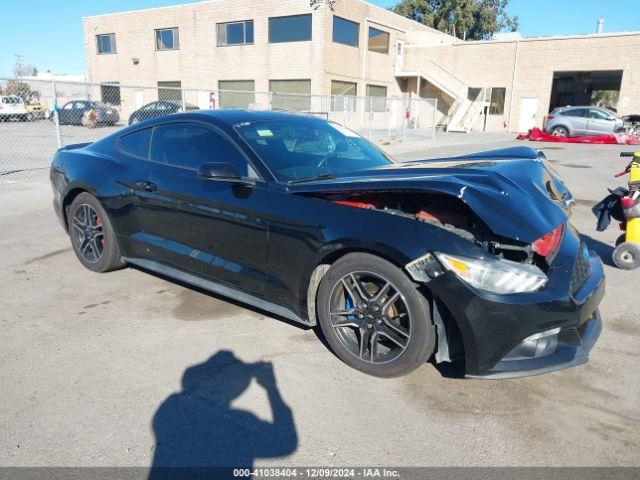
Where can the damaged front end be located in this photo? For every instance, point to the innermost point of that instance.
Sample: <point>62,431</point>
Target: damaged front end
<point>522,298</point>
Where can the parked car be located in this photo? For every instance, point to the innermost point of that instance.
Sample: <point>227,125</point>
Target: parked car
<point>581,121</point>
<point>467,258</point>
<point>12,107</point>
<point>37,111</point>
<point>158,109</point>
<point>78,112</point>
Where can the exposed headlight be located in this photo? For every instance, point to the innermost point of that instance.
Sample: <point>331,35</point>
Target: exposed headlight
<point>496,276</point>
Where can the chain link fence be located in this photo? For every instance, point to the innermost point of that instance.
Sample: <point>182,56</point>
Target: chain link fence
<point>37,117</point>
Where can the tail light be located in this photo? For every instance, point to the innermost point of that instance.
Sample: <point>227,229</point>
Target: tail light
<point>549,117</point>
<point>547,245</point>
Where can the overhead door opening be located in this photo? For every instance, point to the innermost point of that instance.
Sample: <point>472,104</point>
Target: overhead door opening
<point>601,88</point>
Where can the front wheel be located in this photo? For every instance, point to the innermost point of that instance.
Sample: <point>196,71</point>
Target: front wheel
<point>92,235</point>
<point>374,317</point>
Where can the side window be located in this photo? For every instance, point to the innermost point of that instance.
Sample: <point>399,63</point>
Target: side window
<point>597,115</point>
<point>190,145</point>
<point>136,143</point>
<point>576,112</point>
<point>68,106</point>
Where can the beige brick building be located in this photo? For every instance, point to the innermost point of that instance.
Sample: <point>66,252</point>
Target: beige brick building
<point>350,48</point>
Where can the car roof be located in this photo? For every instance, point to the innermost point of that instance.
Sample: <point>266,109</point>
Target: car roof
<point>233,117</point>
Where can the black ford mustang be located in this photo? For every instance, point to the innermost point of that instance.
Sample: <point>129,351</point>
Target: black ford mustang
<point>462,258</point>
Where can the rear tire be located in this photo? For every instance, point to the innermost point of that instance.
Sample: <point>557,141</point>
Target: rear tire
<point>559,132</point>
<point>92,236</point>
<point>627,256</point>
<point>366,328</point>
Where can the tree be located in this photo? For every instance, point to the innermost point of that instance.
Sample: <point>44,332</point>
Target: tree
<point>465,19</point>
<point>22,90</point>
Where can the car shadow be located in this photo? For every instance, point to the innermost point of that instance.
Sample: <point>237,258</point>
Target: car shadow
<point>199,434</point>
<point>604,251</point>
<point>222,298</point>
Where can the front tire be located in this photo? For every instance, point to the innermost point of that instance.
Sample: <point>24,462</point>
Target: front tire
<point>374,317</point>
<point>92,236</point>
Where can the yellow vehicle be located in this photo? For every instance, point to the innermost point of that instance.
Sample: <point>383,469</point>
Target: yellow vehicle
<point>37,111</point>
<point>627,252</point>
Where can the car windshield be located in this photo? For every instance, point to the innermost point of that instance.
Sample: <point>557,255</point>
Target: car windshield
<point>295,150</point>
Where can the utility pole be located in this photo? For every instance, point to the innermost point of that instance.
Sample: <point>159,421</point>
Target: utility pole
<point>18,69</point>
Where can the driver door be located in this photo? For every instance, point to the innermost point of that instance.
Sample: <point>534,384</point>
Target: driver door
<point>214,228</point>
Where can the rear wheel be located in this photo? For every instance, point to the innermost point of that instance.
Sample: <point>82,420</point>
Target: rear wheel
<point>559,132</point>
<point>374,317</point>
<point>92,235</point>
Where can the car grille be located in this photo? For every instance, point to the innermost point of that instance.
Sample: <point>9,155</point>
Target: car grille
<point>581,269</point>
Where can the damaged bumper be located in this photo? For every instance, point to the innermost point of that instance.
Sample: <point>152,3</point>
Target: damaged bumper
<point>572,346</point>
<point>528,334</point>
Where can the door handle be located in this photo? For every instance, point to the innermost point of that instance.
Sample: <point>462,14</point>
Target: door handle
<point>146,185</point>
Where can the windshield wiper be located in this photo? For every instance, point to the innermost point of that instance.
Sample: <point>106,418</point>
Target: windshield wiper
<point>326,176</point>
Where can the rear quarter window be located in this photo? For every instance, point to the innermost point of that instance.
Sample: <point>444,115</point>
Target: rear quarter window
<point>576,112</point>
<point>137,143</point>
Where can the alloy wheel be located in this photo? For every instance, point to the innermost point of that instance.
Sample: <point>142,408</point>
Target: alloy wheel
<point>88,234</point>
<point>370,317</point>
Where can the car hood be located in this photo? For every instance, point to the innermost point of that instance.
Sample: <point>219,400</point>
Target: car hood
<point>514,190</point>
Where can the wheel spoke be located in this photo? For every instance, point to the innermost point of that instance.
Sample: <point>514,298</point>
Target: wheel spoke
<point>344,313</point>
<point>355,298</point>
<point>395,338</point>
<point>382,292</point>
<point>84,246</point>
<point>361,291</point>
<point>95,248</point>
<point>345,323</point>
<point>389,323</point>
<point>373,347</point>
<point>78,223</point>
<point>390,301</point>
<point>365,340</point>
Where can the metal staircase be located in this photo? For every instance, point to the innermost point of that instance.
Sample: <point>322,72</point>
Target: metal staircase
<point>466,115</point>
<point>463,112</point>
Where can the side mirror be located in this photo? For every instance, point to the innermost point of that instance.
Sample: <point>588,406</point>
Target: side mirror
<point>222,172</point>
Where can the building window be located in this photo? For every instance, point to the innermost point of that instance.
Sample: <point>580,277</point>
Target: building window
<point>295,28</point>
<point>106,43</point>
<point>378,41</point>
<point>170,91</point>
<point>496,106</point>
<point>343,96</point>
<point>290,95</point>
<point>346,32</point>
<point>167,39</point>
<point>110,93</point>
<point>235,33</point>
<point>236,93</point>
<point>376,98</point>
<point>473,93</point>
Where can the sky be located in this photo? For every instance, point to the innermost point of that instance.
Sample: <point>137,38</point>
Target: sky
<point>48,33</point>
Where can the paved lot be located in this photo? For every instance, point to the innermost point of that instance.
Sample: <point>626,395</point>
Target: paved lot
<point>104,370</point>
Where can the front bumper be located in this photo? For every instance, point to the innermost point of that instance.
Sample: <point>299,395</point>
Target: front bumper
<point>572,350</point>
<point>493,327</point>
